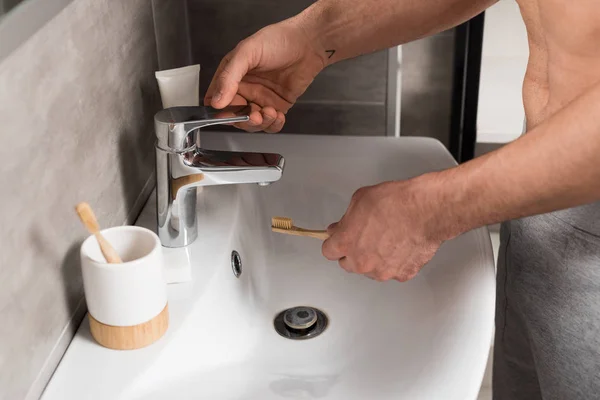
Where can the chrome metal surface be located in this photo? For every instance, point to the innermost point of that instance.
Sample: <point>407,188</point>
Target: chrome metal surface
<point>314,329</point>
<point>236,263</point>
<point>182,166</point>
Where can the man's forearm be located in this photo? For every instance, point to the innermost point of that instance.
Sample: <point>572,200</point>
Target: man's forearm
<point>554,166</point>
<point>344,29</point>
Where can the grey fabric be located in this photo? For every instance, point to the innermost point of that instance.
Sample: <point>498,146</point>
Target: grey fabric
<point>547,343</point>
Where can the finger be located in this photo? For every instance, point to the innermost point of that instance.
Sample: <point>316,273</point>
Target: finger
<point>277,125</point>
<point>255,121</point>
<point>237,101</point>
<point>380,276</point>
<point>405,272</point>
<point>406,276</point>
<point>332,227</point>
<point>347,264</point>
<point>403,278</point>
<point>334,248</point>
<point>210,92</point>
<point>371,276</point>
<point>269,115</point>
<point>225,83</point>
<point>208,96</point>
<point>259,93</point>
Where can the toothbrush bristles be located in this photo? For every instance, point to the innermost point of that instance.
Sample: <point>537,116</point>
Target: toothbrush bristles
<point>281,222</point>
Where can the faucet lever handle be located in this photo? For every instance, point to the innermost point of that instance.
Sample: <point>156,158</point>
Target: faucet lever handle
<point>176,127</point>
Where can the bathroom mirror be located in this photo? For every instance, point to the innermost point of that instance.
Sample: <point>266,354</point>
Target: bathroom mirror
<point>19,19</point>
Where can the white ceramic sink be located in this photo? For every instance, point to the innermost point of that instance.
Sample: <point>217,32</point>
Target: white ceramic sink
<point>425,339</point>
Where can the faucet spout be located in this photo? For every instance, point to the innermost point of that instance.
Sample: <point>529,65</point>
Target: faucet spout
<point>182,166</point>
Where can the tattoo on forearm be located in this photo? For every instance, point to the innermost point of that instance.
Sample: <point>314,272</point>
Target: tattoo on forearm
<point>331,53</point>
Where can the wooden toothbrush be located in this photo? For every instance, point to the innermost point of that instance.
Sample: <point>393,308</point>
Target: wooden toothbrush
<point>89,220</point>
<point>286,225</point>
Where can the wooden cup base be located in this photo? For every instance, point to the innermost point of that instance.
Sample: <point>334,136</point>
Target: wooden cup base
<point>130,337</point>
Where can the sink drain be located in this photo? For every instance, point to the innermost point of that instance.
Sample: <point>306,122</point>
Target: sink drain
<point>300,322</point>
<point>236,263</point>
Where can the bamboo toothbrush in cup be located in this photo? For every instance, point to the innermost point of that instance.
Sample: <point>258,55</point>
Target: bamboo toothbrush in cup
<point>285,225</point>
<point>89,220</point>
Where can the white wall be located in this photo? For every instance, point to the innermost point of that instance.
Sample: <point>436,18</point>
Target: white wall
<point>504,60</point>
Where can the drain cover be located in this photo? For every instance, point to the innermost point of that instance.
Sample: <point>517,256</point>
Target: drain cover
<point>300,317</point>
<point>300,322</point>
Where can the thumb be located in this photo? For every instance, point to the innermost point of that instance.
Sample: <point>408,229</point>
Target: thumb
<point>226,80</point>
<point>332,227</point>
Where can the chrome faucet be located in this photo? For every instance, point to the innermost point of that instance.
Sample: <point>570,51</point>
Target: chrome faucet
<point>182,166</point>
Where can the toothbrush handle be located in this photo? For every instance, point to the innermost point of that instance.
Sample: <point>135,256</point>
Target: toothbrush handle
<point>322,235</point>
<point>107,250</point>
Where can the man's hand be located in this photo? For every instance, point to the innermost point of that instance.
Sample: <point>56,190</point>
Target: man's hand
<point>388,232</point>
<point>272,68</point>
<point>269,71</point>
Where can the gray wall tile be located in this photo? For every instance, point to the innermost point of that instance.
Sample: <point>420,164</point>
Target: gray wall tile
<point>216,26</point>
<point>76,108</point>
<point>336,119</point>
<point>427,73</point>
<point>362,79</point>
<point>172,33</point>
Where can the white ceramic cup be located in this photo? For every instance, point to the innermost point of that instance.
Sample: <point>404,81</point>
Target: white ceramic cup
<point>130,293</point>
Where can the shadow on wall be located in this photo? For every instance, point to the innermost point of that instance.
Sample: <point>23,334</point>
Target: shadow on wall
<point>136,152</point>
<point>70,268</point>
<point>70,271</point>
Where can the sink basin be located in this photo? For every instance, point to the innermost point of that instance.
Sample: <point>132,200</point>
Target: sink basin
<point>425,339</point>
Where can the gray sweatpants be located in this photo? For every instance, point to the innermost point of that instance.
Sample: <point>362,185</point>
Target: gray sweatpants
<point>547,343</point>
